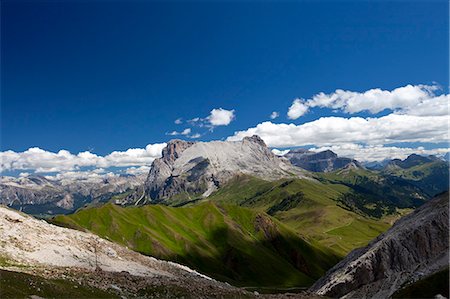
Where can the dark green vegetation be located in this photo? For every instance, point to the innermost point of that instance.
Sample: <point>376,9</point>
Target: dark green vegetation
<point>374,194</point>
<point>22,285</point>
<point>428,287</point>
<point>429,174</point>
<point>401,184</point>
<point>310,207</point>
<point>231,243</point>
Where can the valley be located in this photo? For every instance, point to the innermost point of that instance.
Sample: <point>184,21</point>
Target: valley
<point>230,243</point>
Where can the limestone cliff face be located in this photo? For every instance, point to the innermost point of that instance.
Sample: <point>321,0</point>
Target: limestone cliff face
<point>198,169</point>
<point>162,168</point>
<point>324,161</point>
<point>416,246</point>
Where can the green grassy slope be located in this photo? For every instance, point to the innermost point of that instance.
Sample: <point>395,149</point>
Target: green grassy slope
<point>228,242</point>
<point>431,177</point>
<point>375,193</point>
<point>310,207</point>
<point>21,285</point>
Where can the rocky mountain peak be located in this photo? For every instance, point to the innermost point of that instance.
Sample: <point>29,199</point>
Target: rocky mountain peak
<point>255,139</point>
<point>197,169</point>
<point>323,161</point>
<point>175,148</point>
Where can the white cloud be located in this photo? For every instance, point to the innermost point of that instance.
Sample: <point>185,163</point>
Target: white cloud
<point>91,175</point>
<point>194,136</point>
<point>40,160</point>
<point>137,170</point>
<point>378,153</point>
<point>280,152</point>
<point>418,115</point>
<point>184,132</point>
<point>297,109</point>
<point>392,128</point>
<point>178,121</point>
<point>436,106</point>
<point>411,99</point>
<point>220,117</point>
<point>274,115</point>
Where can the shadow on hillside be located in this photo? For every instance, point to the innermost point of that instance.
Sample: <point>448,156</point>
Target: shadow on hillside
<point>274,263</point>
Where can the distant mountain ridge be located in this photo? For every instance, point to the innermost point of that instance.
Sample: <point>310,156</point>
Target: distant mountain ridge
<point>428,173</point>
<point>39,195</point>
<point>324,161</point>
<point>411,161</point>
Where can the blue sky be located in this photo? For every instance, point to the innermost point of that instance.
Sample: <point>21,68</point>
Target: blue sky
<point>109,76</point>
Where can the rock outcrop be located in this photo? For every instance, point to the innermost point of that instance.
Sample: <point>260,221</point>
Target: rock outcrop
<point>324,161</point>
<point>197,169</point>
<point>416,246</point>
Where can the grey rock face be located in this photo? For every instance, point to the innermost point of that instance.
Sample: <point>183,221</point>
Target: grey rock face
<point>198,169</point>
<point>319,162</point>
<point>416,246</point>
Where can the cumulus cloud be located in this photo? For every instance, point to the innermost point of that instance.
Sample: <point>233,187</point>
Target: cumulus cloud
<point>392,128</point>
<point>90,175</point>
<point>40,160</point>
<point>419,99</point>
<point>196,135</point>
<point>220,117</point>
<point>184,132</point>
<point>435,106</point>
<point>297,109</point>
<point>274,115</point>
<point>178,121</point>
<point>417,115</point>
<point>137,170</point>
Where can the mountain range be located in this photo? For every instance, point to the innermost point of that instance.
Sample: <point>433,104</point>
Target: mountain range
<point>188,171</point>
<point>39,195</point>
<point>237,212</point>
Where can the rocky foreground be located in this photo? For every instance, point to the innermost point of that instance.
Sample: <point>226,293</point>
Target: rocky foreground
<point>415,247</point>
<point>36,247</point>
